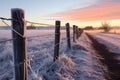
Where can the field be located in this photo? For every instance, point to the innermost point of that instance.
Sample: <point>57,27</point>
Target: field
<point>82,62</point>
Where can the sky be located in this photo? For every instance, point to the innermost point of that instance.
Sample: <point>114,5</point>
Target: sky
<point>76,12</point>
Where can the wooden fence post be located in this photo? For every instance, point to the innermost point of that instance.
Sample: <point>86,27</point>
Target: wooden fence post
<point>68,35</point>
<point>19,44</point>
<point>57,40</point>
<point>74,33</point>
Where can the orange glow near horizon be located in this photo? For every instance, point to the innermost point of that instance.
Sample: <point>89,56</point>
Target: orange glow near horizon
<point>93,15</point>
<point>90,13</point>
<point>94,23</point>
<point>81,24</point>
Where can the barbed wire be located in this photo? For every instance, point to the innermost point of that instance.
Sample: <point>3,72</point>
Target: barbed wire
<point>13,29</point>
<point>26,62</point>
<point>39,23</point>
<point>9,19</point>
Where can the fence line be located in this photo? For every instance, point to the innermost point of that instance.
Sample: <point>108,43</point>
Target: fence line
<point>8,19</point>
<point>13,29</point>
<point>19,37</point>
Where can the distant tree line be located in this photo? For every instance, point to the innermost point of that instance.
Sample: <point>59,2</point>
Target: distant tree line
<point>104,26</point>
<point>88,28</point>
<point>31,27</point>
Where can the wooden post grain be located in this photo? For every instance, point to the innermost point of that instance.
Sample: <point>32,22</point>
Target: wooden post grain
<point>57,40</point>
<point>19,44</point>
<point>68,35</point>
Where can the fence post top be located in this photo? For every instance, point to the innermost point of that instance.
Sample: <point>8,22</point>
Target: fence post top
<point>73,25</point>
<point>67,24</point>
<point>17,9</point>
<point>19,12</point>
<point>57,22</point>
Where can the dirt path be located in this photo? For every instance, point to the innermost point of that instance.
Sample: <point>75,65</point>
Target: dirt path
<point>108,58</point>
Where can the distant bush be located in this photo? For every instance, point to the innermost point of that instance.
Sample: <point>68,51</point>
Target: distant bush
<point>88,28</point>
<point>105,26</point>
<point>31,27</point>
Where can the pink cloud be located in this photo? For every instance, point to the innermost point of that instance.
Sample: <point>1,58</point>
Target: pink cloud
<point>102,10</point>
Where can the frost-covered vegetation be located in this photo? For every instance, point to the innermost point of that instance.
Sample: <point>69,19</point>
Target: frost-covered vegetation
<point>79,63</point>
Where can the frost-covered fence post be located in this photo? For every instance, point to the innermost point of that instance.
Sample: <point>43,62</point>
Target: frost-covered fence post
<point>19,44</point>
<point>74,33</point>
<point>68,35</point>
<point>57,40</point>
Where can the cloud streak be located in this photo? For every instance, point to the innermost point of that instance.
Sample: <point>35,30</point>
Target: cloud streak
<point>101,10</point>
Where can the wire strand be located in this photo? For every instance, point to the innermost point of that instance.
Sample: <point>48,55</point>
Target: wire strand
<point>13,29</point>
<point>39,23</point>
<point>8,19</point>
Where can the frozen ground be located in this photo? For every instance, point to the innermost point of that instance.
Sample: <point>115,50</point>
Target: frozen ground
<point>108,46</point>
<point>112,41</point>
<point>79,63</point>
